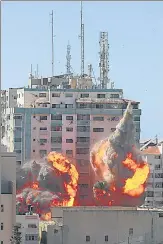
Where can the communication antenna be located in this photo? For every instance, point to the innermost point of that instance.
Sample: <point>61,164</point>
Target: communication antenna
<point>104,60</point>
<point>68,58</point>
<point>52,41</point>
<point>82,41</point>
<point>37,71</point>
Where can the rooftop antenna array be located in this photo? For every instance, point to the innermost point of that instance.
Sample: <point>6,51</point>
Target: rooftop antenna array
<point>52,42</point>
<point>68,58</point>
<point>104,60</point>
<point>82,40</point>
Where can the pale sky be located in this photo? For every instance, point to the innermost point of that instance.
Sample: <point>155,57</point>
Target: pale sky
<point>135,32</point>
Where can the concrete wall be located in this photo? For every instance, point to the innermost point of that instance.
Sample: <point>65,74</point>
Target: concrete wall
<point>118,225</point>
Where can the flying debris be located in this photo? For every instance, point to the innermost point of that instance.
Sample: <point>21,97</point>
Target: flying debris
<point>121,172</point>
<point>46,183</point>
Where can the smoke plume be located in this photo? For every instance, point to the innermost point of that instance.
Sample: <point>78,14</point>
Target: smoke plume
<point>120,169</point>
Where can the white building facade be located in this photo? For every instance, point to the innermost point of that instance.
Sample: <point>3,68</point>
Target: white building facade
<point>7,196</point>
<point>154,190</point>
<point>29,228</point>
<point>105,225</point>
<point>39,120</point>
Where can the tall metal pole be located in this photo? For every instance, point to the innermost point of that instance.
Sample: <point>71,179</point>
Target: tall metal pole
<point>82,41</point>
<point>52,41</point>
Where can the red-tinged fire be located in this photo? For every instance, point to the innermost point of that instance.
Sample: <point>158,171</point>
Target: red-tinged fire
<point>42,199</point>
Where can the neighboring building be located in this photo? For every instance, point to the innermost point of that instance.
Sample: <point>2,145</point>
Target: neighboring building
<point>105,225</point>
<point>154,156</point>
<point>7,196</point>
<point>29,228</point>
<point>39,120</point>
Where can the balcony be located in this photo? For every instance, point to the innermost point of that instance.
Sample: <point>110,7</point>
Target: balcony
<point>6,187</point>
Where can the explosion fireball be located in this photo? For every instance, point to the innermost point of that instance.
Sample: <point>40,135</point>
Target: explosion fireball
<point>120,170</point>
<point>120,174</point>
<point>47,183</point>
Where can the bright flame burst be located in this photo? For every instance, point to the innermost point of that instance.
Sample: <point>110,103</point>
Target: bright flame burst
<point>134,186</point>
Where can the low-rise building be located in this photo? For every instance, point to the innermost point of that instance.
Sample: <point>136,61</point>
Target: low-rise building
<point>7,195</point>
<point>113,225</point>
<point>29,227</point>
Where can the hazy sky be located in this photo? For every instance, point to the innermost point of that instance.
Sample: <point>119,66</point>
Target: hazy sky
<point>136,47</point>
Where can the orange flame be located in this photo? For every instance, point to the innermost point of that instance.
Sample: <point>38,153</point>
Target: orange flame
<point>134,186</point>
<point>62,164</point>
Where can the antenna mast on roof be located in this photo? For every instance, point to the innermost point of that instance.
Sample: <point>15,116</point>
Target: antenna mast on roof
<point>82,41</point>
<point>52,40</point>
<point>68,58</point>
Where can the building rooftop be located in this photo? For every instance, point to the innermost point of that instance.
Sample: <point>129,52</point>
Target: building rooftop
<point>152,150</point>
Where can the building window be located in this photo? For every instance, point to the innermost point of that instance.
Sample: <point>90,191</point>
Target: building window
<point>1,242</point>
<point>98,118</point>
<point>131,231</point>
<point>43,153</point>
<point>68,94</point>
<point>157,156</point>
<point>55,94</point>
<point>69,152</point>
<point>17,117</point>
<point>18,162</point>
<point>56,139</point>
<point>114,95</point>
<point>83,186</point>
<point>56,117</point>
<point>83,129</point>
<point>83,139</point>
<point>68,105</point>
<point>69,117</point>
<point>136,118</point>
<point>2,208</point>
<point>82,150</point>
<point>42,94</point>
<point>56,128</point>
<point>18,151</point>
<point>106,239</point>
<point>55,105</point>
<point>56,149</point>
<point>69,140</point>
<point>70,129</point>
<point>99,105</point>
<point>43,117</point>
<point>83,117</point>
<point>42,141</point>
<point>17,139</point>
<point>83,162</point>
<point>98,129</point>
<point>43,128</point>
<point>2,226</point>
<point>84,95</point>
<point>100,95</point>
<point>113,129</point>
<point>32,226</point>
<point>34,139</point>
<point>87,238</point>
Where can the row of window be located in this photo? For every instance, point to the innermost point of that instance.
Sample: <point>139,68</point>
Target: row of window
<point>104,105</point>
<point>29,237</point>
<point>154,194</point>
<point>88,238</point>
<point>68,152</point>
<point>81,117</point>
<point>157,175</point>
<point>79,129</point>
<point>83,95</point>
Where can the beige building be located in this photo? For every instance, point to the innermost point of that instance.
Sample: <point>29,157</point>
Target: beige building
<point>102,225</point>
<point>29,228</point>
<point>154,156</point>
<point>39,120</point>
<point>7,196</point>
